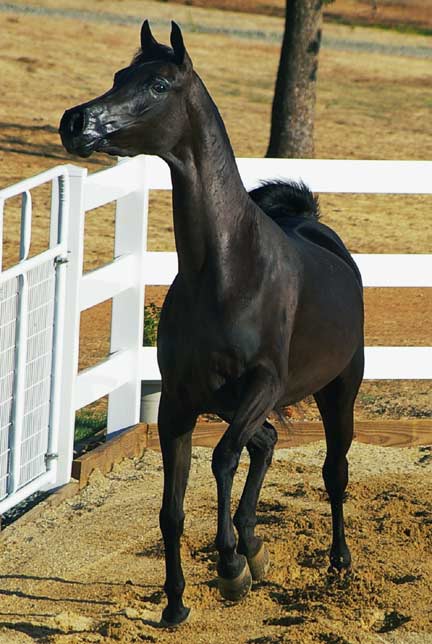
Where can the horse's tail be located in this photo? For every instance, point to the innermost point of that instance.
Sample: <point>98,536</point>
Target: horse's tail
<point>281,200</point>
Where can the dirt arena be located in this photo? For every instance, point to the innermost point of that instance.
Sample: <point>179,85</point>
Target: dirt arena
<point>91,569</point>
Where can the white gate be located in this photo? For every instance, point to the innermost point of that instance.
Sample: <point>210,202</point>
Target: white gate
<point>41,299</point>
<point>32,299</point>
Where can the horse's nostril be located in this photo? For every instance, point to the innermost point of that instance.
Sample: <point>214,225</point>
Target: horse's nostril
<point>77,123</point>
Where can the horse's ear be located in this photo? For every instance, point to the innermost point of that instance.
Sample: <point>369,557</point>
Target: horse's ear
<point>149,46</point>
<point>177,44</point>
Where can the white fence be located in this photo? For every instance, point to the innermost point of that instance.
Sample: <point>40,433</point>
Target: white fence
<point>41,299</point>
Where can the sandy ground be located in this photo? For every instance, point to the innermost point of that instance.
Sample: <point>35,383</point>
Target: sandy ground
<point>91,570</point>
<point>362,103</point>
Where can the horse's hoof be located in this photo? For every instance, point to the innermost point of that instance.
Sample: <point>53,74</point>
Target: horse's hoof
<point>259,563</point>
<point>336,572</point>
<point>340,562</point>
<point>169,620</point>
<point>236,589</point>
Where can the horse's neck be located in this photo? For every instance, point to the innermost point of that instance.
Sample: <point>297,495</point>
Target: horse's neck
<point>214,218</point>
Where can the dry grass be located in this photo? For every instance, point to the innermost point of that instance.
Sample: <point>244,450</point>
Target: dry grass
<point>362,107</point>
<point>416,14</point>
<point>368,106</point>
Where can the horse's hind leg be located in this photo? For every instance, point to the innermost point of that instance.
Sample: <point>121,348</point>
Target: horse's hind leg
<point>260,448</point>
<point>336,404</point>
<point>175,434</point>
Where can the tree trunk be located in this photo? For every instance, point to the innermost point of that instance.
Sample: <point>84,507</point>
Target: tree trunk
<point>294,99</point>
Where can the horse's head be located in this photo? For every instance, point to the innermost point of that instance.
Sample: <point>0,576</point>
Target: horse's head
<point>143,112</point>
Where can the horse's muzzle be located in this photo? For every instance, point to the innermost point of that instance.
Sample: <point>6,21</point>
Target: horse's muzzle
<point>79,131</point>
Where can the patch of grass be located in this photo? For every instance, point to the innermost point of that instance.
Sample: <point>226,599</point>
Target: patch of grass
<point>406,29</point>
<point>88,423</point>
<point>151,322</point>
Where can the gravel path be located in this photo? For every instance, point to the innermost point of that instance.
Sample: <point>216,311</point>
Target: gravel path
<point>341,44</point>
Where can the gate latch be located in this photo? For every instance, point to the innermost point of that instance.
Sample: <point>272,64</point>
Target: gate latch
<point>60,260</point>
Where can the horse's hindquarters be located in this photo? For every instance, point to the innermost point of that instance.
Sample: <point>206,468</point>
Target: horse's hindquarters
<point>328,326</point>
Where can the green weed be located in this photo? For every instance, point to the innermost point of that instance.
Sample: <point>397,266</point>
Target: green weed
<point>88,423</point>
<point>151,321</point>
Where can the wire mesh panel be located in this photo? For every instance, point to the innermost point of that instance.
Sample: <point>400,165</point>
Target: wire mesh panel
<point>8,318</point>
<point>34,402</point>
<point>38,367</point>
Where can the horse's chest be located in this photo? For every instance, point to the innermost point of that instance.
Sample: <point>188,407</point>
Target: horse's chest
<point>201,354</point>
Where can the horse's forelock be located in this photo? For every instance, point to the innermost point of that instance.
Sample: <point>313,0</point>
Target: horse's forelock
<point>161,54</point>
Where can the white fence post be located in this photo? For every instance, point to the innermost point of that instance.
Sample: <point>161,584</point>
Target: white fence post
<point>70,349</point>
<point>127,322</point>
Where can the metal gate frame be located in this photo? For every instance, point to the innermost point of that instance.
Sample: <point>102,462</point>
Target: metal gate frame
<point>33,307</point>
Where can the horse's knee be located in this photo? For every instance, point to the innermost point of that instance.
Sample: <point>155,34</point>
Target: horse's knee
<point>224,461</point>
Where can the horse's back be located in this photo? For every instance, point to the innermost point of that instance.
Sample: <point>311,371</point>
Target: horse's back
<point>295,210</point>
<point>318,234</point>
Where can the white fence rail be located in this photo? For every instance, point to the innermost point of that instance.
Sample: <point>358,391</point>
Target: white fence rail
<point>34,453</point>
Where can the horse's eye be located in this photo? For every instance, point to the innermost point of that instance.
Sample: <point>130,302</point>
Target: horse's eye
<point>159,87</point>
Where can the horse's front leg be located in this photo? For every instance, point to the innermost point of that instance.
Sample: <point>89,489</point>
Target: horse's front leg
<point>260,448</point>
<point>175,434</point>
<point>259,398</point>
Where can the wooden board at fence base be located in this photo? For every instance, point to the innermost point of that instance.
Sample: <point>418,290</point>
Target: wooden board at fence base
<point>394,433</point>
<point>127,444</point>
<point>133,441</point>
<point>391,433</point>
<point>208,434</point>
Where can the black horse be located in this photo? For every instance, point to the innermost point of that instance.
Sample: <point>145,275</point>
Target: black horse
<point>266,308</point>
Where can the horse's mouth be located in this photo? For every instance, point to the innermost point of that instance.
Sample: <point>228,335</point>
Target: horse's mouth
<point>84,151</point>
<point>85,148</point>
<point>80,146</point>
<point>105,145</point>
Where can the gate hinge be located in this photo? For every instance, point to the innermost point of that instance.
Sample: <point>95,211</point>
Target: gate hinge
<point>60,260</point>
<point>50,456</point>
